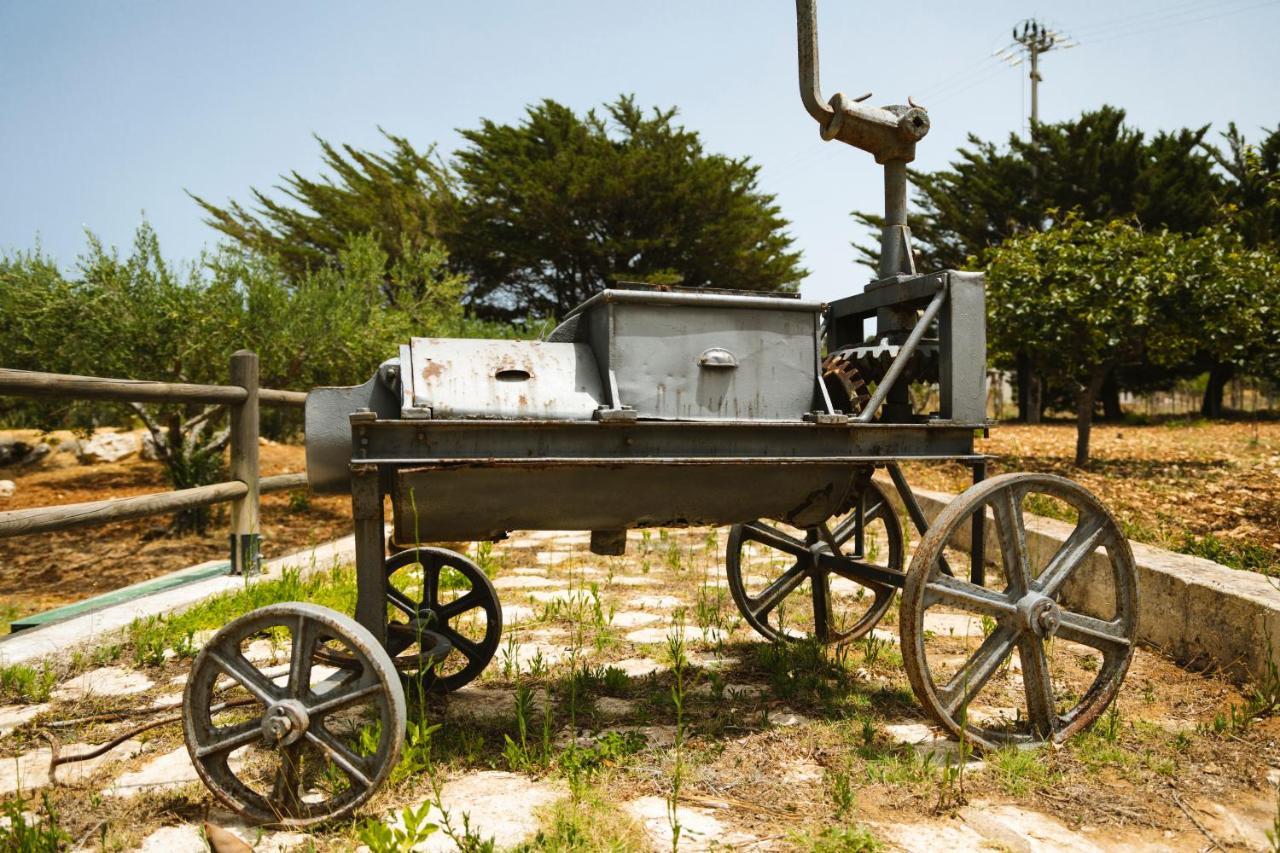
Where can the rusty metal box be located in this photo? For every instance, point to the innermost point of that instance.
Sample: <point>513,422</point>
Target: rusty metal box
<point>453,378</point>
<point>693,356</point>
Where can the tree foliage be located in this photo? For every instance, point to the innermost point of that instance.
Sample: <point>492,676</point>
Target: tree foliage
<point>550,210</point>
<point>1083,298</point>
<point>391,197</point>
<point>140,317</point>
<point>1253,188</point>
<point>1095,164</point>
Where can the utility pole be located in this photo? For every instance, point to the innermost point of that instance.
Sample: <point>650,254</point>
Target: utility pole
<point>1034,38</point>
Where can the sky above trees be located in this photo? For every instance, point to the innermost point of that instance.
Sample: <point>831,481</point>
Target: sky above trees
<point>115,109</point>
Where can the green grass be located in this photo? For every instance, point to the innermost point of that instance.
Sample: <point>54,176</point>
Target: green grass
<point>24,683</point>
<point>839,839</point>
<point>148,638</point>
<point>1019,771</point>
<point>1236,555</point>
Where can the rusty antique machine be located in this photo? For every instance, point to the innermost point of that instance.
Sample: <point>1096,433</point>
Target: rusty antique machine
<point>667,407</point>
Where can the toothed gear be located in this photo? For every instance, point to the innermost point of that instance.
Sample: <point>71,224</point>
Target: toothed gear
<point>845,385</point>
<point>872,360</point>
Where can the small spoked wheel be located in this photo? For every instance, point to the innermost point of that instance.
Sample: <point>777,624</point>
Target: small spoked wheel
<point>1038,651</point>
<point>281,739</point>
<point>445,618</point>
<point>790,584</point>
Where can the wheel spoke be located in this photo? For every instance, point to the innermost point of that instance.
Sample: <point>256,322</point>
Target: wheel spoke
<point>430,582</point>
<point>304,642</point>
<point>402,602</point>
<point>1038,682</point>
<point>977,671</point>
<point>967,596</point>
<point>339,754</point>
<point>1007,508</point>
<point>284,791</point>
<point>248,676</point>
<point>230,738</point>
<point>337,703</point>
<point>470,601</point>
<point>757,531</point>
<point>1089,533</point>
<point>469,648</point>
<point>1095,633</point>
<point>772,596</point>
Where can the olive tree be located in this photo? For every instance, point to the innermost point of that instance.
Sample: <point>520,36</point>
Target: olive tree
<point>1082,298</point>
<point>141,317</point>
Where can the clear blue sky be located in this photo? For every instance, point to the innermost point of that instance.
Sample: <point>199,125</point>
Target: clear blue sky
<point>110,109</point>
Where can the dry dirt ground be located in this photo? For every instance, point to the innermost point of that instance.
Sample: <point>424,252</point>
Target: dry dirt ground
<point>49,570</point>
<point>1209,488</point>
<point>774,747</point>
<point>1206,487</point>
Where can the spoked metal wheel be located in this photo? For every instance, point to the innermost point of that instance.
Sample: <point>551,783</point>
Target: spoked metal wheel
<point>1039,650</point>
<point>293,743</point>
<point>444,616</point>
<point>818,583</point>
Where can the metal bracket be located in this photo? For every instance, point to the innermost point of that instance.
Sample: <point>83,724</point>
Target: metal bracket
<point>826,418</point>
<point>246,554</point>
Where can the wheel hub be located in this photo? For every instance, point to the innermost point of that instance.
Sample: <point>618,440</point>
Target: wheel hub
<point>285,722</point>
<point>1039,614</point>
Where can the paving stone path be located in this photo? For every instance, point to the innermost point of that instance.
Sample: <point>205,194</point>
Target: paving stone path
<point>540,570</point>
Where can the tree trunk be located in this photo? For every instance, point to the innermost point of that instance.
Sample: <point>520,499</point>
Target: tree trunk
<point>1219,376</point>
<point>1035,401</point>
<point>1022,378</point>
<point>1111,410</point>
<point>1086,397</point>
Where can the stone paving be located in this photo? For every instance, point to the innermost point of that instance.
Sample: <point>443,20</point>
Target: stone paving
<point>511,808</point>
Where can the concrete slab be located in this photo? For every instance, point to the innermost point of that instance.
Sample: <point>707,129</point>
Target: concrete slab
<point>30,770</point>
<point>524,581</point>
<point>699,828</point>
<point>104,681</point>
<point>633,619</point>
<point>501,807</point>
<point>654,602</point>
<point>187,838</point>
<point>638,667</point>
<point>13,716</point>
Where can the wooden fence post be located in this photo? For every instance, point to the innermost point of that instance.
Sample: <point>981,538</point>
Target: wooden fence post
<point>246,538</point>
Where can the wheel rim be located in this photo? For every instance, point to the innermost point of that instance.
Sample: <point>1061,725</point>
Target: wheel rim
<point>453,600</point>
<point>784,594</point>
<point>970,683</point>
<point>293,744</point>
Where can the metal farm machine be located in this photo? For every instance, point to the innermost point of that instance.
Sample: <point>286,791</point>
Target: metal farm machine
<point>665,408</point>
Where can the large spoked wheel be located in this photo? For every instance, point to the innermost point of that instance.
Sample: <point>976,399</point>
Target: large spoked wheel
<point>1038,651</point>
<point>293,743</point>
<point>445,618</point>
<point>787,587</point>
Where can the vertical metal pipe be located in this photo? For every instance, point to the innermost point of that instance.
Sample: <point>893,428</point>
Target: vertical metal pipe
<point>895,192</point>
<point>246,539</point>
<point>893,241</point>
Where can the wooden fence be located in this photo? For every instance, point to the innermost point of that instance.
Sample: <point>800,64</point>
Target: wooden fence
<point>242,397</point>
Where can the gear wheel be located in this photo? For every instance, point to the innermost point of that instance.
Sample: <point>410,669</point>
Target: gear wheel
<point>845,385</point>
<point>872,360</point>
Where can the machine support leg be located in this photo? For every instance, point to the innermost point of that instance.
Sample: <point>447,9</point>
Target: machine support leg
<point>371,575</point>
<point>978,534</point>
<point>913,508</point>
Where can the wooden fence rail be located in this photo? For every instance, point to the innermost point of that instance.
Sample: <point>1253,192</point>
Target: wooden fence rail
<point>242,397</point>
